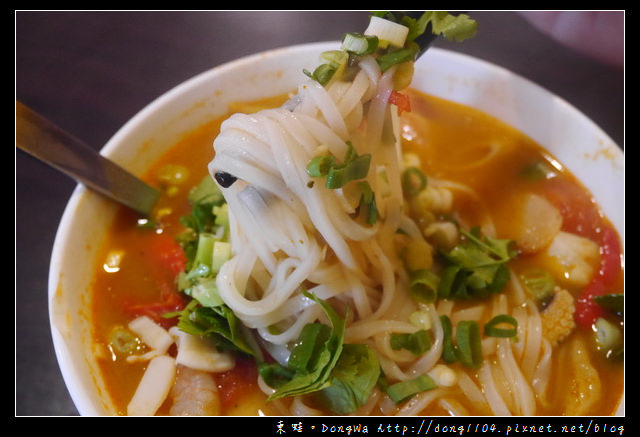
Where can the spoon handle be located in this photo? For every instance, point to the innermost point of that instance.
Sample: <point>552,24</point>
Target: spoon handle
<point>45,141</point>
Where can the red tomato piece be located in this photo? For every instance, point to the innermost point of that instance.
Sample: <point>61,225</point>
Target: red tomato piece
<point>611,254</point>
<point>401,101</point>
<point>166,260</point>
<point>168,254</point>
<point>587,310</point>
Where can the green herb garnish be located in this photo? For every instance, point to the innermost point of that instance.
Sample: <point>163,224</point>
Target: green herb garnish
<point>417,342</point>
<point>315,355</point>
<point>402,391</point>
<point>476,267</point>
<point>502,325</point>
<point>352,380</point>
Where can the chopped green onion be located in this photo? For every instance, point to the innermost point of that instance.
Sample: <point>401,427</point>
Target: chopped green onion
<point>351,152</point>
<point>390,59</point>
<point>360,44</point>
<point>368,210</point>
<point>493,329</point>
<point>417,343</point>
<point>448,349</point>
<point>340,175</point>
<point>537,171</point>
<point>609,338</point>
<point>453,283</point>
<point>221,254</point>
<point>320,165</point>
<point>387,31</point>
<point>122,341</point>
<point>401,391</point>
<point>222,215</point>
<point>322,74</point>
<point>335,58</point>
<point>198,271</point>
<point>353,167</point>
<point>206,293</point>
<point>207,191</point>
<point>204,252</point>
<point>469,343</point>
<point>421,319</point>
<point>423,285</point>
<point>333,62</point>
<point>540,284</point>
<point>413,181</point>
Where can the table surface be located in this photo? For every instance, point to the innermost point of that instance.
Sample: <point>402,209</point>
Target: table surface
<point>90,72</point>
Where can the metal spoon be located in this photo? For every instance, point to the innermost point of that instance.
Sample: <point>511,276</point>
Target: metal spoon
<point>44,140</point>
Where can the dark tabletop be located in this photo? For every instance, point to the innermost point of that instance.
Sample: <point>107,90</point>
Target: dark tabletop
<point>90,72</point>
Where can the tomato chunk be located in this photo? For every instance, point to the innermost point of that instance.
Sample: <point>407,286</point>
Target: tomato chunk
<point>611,255</point>
<point>587,310</point>
<point>167,254</point>
<point>401,101</point>
<point>166,259</point>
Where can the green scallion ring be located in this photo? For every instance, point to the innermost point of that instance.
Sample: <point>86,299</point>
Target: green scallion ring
<point>410,185</point>
<point>491,329</point>
<point>403,390</point>
<point>423,285</point>
<point>320,165</point>
<point>469,343</point>
<point>448,349</point>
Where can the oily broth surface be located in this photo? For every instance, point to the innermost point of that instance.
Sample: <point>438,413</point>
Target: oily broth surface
<point>135,282</point>
<point>453,142</point>
<point>463,145</point>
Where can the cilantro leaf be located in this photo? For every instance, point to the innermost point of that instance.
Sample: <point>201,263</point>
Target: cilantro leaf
<point>221,324</point>
<point>313,366</point>
<point>476,267</point>
<point>452,27</point>
<point>352,380</point>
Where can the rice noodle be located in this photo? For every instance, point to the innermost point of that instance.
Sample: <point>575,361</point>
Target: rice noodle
<point>290,232</point>
<point>267,152</point>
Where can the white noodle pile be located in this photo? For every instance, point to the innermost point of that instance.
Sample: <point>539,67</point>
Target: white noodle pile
<point>287,233</point>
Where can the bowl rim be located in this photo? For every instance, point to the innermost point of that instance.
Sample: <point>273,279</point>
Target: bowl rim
<point>81,395</point>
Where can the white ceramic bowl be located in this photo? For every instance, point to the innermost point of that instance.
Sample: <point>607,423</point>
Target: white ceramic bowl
<point>572,138</point>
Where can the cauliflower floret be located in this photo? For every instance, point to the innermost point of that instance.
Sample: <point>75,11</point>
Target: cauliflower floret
<point>557,317</point>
